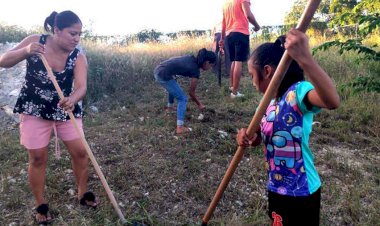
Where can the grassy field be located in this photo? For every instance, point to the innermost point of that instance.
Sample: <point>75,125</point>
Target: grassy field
<point>162,179</point>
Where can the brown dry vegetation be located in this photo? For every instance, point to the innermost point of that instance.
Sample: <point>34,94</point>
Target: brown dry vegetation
<point>162,179</point>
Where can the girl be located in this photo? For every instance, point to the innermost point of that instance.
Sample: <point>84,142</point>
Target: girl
<point>39,106</point>
<point>294,187</point>
<point>188,66</point>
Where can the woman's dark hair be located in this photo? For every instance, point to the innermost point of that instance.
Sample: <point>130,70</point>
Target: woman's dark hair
<point>60,20</point>
<point>270,54</point>
<point>205,55</point>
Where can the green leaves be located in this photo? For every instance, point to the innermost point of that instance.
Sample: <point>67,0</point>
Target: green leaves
<point>350,45</point>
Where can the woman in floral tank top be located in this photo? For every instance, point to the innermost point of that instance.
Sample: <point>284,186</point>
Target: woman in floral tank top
<point>39,106</point>
<point>294,186</point>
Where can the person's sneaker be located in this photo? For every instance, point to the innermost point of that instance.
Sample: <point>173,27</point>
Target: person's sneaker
<point>237,95</point>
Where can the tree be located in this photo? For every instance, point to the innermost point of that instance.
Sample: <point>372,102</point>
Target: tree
<point>148,35</point>
<point>366,15</point>
<point>292,17</point>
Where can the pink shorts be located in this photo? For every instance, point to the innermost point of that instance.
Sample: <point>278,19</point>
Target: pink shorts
<point>35,132</point>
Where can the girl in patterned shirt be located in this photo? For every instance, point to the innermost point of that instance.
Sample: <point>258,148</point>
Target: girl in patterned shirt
<point>294,186</point>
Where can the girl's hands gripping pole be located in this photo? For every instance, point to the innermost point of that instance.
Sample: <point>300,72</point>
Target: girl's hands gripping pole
<point>244,140</point>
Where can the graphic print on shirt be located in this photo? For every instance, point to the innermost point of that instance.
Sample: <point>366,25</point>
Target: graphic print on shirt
<point>281,129</point>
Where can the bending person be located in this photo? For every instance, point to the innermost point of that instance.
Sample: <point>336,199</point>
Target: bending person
<point>188,66</point>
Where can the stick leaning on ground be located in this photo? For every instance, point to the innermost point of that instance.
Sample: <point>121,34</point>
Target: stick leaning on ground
<point>84,142</point>
<point>268,96</point>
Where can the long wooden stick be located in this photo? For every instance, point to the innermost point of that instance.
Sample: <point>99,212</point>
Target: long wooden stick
<point>268,96</point>
<point>84,142</point>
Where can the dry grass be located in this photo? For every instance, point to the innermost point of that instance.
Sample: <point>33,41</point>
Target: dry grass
<point>161,179</point>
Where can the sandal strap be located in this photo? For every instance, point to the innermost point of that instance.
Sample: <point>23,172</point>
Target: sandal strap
<point>43,209</point>
<point>88,196</point>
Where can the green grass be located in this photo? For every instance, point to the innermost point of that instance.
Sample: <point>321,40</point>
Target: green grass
<point>161,179</point>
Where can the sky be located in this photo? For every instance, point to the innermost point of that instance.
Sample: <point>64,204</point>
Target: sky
<point>122,17</point>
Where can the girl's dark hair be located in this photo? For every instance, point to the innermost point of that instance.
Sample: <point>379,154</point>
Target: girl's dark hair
<point>270,54</point>
<point>60,20</point>
<point>205,55</point>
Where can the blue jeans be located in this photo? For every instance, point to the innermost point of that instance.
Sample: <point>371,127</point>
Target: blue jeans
<point>175,92</point>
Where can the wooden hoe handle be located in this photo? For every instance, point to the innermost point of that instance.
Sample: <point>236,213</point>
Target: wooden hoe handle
<point>84,142</point>
<point>268,96</point>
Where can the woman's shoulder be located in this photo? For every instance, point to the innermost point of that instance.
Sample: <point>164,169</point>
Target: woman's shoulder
<point>32,38</point>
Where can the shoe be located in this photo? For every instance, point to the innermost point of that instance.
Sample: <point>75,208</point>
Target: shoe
<point>237,95</point>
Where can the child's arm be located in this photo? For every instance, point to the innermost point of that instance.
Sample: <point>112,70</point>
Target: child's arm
<point>324,95</point>
<point>193,86</point>
<point>27,47</point>
<point>245,141</point>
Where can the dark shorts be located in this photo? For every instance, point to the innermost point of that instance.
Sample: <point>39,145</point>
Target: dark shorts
<point>238,46</point>
<point>295,210</point>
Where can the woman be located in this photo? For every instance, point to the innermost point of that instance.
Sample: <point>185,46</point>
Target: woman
<point>39,106</point>
<point>188,66</point>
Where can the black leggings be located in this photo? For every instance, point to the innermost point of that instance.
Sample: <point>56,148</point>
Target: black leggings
<point>295,210</point>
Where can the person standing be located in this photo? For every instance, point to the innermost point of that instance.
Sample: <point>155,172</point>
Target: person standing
<point>39,106</point>
<point>235,26</point>
<point>217,35</point>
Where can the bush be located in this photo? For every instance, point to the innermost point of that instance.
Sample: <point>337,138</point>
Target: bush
<point>12,33</point>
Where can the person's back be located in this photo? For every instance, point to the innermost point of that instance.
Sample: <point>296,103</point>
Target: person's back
<point>235,19</point>
<point>183,65</point>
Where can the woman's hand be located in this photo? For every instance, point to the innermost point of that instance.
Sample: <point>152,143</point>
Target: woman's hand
<point>67,104</point>
<point>221,46</point>
<point>35,48</point>
<point>244,141</point>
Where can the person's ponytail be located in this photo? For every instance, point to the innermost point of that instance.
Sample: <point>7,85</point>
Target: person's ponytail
<point>50,22</point>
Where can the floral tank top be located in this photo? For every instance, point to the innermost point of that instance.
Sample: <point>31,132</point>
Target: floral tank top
<point>38,96</point>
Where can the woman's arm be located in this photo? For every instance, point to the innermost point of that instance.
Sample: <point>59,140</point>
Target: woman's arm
<point>325,94</point>
<point>27,47</point>
<point>193,86</point>
<point>80,84</point>
<point>248,13</point>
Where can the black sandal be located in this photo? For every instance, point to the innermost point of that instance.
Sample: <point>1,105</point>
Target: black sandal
<point>43,210</point>
<point>89,197</point>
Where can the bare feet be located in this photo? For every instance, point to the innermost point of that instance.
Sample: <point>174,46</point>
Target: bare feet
<point>182,130</point>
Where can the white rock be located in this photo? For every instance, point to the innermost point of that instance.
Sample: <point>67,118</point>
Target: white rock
<point>14,92</point>
<point>94,109</point>
<point>71,192</point>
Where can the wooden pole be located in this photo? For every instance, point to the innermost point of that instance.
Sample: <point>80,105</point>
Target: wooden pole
<point>84,142</point>
<point>268,96</point>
